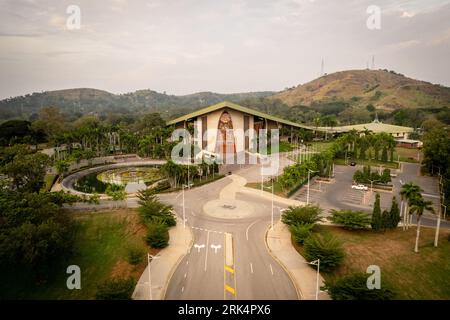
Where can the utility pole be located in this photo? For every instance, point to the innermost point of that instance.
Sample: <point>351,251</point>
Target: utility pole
<point>272,202</point>
<point>149,259</point>
<point>307,194</point>
<point>322,68</point>
<point>184,208</point>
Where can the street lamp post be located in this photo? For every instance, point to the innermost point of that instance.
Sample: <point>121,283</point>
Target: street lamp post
<point>371,184</point>
<point>149,258</point>
<point>272,203</point>
<point>184,208</point>
<point>307,193</point>
<point>317,263</point>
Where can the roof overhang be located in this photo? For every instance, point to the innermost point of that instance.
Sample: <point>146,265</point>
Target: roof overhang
<point>234,106</point>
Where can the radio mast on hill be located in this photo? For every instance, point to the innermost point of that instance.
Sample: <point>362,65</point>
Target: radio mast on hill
<point>322,68</point>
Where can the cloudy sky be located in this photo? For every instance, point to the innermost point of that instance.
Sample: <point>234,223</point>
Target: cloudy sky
<point>186,46</point>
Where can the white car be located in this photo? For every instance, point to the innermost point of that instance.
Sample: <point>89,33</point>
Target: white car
<point>360,187</point>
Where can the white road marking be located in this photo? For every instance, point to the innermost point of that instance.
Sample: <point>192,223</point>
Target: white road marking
<point>202,229</point>
<point>248,228</point>
<point>206,255</point>
<point>198,247</point>
<point>271,270</point>
<point>251,267</point>
<point>215,247</point>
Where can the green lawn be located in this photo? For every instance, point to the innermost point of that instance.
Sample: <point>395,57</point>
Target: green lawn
<point>321,145</point>
<point>49,180</point>
<point>372,163</point>
<point>267,186</point>
<point>423,275</point>
<point>408,155</point>
<point>101,249</point>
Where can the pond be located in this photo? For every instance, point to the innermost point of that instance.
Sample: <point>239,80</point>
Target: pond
<point>98,182</point>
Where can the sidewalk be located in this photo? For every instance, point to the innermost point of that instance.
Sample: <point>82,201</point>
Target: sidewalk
<point>164,266</point>
<point>303,275</point>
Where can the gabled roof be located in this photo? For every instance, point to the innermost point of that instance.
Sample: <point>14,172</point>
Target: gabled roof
<point>234,106</point>
<point>375,127</point>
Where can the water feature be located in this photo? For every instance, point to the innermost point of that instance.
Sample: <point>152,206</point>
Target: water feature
<point>132,178</point>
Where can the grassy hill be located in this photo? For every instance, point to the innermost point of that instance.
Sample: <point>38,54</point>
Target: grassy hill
<point>385,90</point>
<point>85,100</point>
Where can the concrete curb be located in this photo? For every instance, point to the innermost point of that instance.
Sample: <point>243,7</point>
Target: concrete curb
<point>175,266</point>
<point>302,275</point>
<point>297,288</point>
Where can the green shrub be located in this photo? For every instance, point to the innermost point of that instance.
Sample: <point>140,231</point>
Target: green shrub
<point>116,289</point>
<point>135,255</point>
<point>326,248</point>
<point>308,214</point>
<point>116,192</point>
<point>301,232</point>
<point>349,219</point>
<point>158,235</point>
<point>152,209</point>
<point>354,287</point>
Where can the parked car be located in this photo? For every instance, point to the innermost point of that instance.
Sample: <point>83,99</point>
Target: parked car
<point>353,163</point>
<point>360,187</point>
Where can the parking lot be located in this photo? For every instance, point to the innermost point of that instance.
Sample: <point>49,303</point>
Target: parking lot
<point>340,195</point>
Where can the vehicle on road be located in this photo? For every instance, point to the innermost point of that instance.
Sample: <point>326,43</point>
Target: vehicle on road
<point>353,163</point>
<point>360,187</point>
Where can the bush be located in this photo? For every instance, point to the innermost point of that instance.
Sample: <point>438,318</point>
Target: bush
<point>158,235</point>
<point>354,287</point>
<point>116,289</point>
<point>116,192</point>
<point>326,248</point>
<point>152,209</point>
<point>349,219</point>
<point>301,232</point>
<point>308,214</point>
<point>135,255</point>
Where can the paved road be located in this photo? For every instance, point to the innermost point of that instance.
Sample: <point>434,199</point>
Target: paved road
<point>204,273</point>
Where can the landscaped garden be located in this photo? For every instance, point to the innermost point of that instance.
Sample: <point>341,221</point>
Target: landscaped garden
<point>411,266</point>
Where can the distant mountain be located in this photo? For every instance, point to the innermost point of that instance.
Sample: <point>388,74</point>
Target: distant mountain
<point>83,101</point>
<point>386,90</point>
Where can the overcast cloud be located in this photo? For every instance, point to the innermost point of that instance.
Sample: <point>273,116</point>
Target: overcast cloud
<point>186,46</point>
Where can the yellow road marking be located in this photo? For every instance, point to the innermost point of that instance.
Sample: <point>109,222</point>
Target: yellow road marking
<point>229,269</point>
<point>230,289</point>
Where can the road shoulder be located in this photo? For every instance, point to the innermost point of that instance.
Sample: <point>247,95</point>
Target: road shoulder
<point>278,241</point>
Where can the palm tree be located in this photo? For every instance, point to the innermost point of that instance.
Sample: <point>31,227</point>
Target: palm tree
<point>418,206</point>
<point>408,192</point>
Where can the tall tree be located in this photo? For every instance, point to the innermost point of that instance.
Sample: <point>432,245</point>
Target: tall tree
<point>394,214</point>
<point>408,192</point>
<point>418,206</point>
<point>377,222</point>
